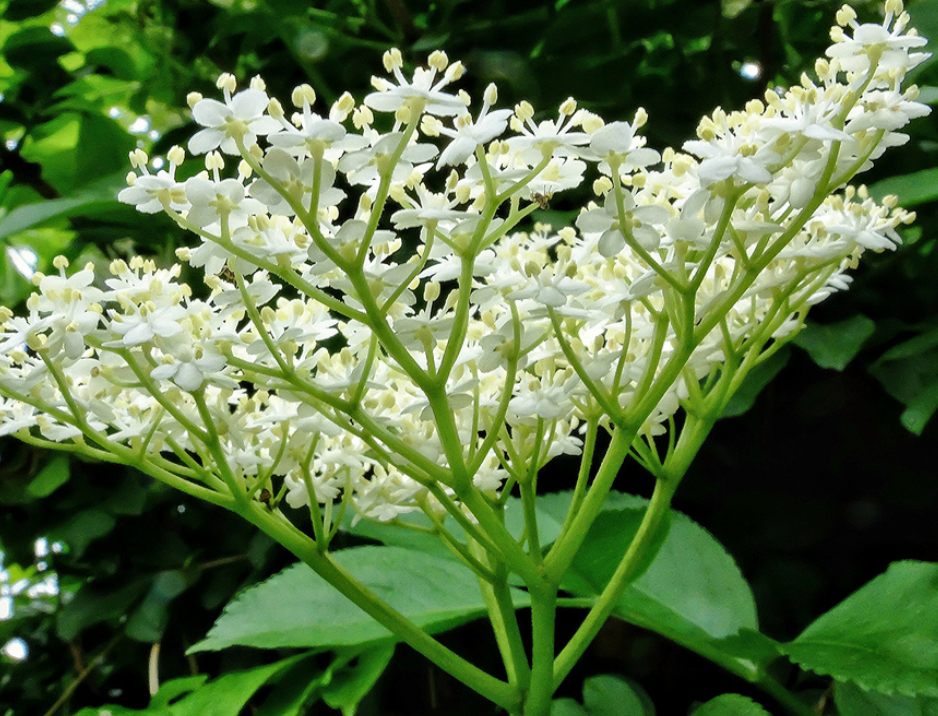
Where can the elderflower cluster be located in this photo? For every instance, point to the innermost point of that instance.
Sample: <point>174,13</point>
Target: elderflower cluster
<point>378,331</point>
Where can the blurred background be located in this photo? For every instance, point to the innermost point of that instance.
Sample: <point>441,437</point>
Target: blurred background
<point>823,472</point>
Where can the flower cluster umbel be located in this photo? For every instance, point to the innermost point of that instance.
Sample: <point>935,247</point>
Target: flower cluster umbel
<point>380,334</point>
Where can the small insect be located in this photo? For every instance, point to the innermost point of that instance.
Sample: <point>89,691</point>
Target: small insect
<point>226,273</point>
<point>266,498</point>
<point>542,200</point>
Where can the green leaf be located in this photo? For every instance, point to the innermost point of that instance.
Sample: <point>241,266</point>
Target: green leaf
<point>692,592</point>
<point>607,695</point>
<point>552,511</point>
<point>836,344</point>
<point>224,696</point>
<point>909,372</point>
<point>884,637</point>
<point>17,10</point>
<point>101,197</point>
<point>50,478</point>
<point>759,377</point>
<point>294,689</point>
<point>733,8</point>
<point>172,690</point>
<point>853,701</point>
<point>567,707</point>
<point>435,593</point>
<point>148,621</point>
<point>352,684</point>
<point>613,696</point>
<point>94,604</point>
<point>605,545</point>
<point>82,529</point>
<point>751,645</point>
<point>227,695</point>
<point>112,710</point>
<point>730,705</point>
<point>912,189</point>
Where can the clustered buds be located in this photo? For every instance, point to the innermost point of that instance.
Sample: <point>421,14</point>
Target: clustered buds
<point>330,364</point>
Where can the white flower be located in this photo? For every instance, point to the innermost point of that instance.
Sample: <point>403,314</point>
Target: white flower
<point>616,144</point>
<point>364,166</point>
<point>147,324</point>
<point>469,134</point>
<point>213,200</point>
<point>637,221</point>
<point>189,367</point>
<point>296,178</point>
<point>724,160</point>
<point>537,140</point>
<point>242,117</point>
<point>422,91</point>
<point>151,194</point>
<point>889,47</point>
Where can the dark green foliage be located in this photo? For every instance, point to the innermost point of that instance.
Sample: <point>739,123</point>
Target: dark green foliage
<point>139,564</point>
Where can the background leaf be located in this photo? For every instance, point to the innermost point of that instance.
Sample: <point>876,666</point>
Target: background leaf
<point>912,189</point>
<point>883,637</point>
<point>730,705</point>
<point>346,690</point>
<point>853,701</point>
<point>909,372</point>
<point>606,695</point>
<point>834,345</point>
<point>755,382</point>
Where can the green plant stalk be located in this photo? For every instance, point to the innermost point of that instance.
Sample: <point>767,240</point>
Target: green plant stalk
<point>564,549</point>
<point>495,690</point>
<point>624,574</point>
<point>537,700</point>
<point>501,610</point>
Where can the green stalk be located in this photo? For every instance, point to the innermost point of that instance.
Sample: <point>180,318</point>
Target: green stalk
<point>537,700</point>
<point>495,690</point>
<point>501,610</point>
<point>566,546</point>
<point>625,572</point>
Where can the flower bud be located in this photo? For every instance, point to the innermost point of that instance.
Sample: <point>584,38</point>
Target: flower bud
<point>138,159</point>
<point>430,125</point>
<point>431,291</point>
<point>491,94</point>
<point>403,114</point>
<point>641,117</point>
<point>455,71</point>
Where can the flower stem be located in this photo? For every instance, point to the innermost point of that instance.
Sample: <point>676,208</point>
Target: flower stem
<point>537,701</point>
<point>495,690</point>
<point>624,574</point>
